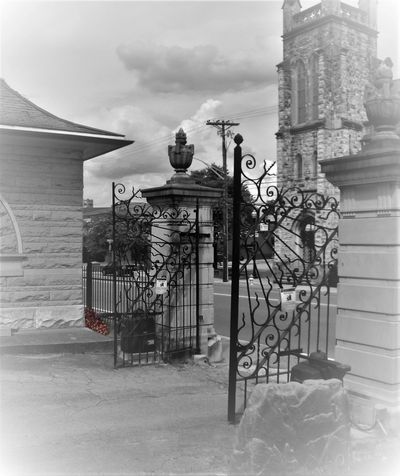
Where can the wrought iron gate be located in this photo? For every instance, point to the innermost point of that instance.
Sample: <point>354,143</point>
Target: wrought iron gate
<point>284,260</point>
<point>155,271</point>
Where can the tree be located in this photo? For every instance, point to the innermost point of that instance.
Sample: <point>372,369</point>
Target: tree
<point>131,239</point>
<point>213,176</point>
<point>95,235</point>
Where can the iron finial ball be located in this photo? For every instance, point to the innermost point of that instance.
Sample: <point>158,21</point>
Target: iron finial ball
<point>238,139</point>
<point>180,137</point>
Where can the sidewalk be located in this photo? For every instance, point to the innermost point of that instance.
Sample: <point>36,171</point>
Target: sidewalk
<point>72,414</point>
<point>68,413</point>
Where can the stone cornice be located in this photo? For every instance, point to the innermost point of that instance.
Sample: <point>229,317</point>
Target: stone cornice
<point>306,27</point>
<point>307,126</point>
<point>350,124</point>
<point>363,168</point>
<point>318,124</point>
<point>186,190</point>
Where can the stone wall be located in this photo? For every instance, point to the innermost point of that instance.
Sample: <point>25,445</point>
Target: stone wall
<point>344,60</point>
<point>43,189</point>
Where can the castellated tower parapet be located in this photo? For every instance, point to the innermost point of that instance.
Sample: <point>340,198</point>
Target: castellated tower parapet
<point>294,17</point>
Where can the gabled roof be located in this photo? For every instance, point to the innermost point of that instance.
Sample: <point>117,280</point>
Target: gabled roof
<point>17,111</point>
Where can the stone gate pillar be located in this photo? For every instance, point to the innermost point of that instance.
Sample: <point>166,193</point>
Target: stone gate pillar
<point>181,192</point>
<point>368,319</point>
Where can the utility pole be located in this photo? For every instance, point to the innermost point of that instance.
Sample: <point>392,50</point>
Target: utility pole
<point>223,130</point>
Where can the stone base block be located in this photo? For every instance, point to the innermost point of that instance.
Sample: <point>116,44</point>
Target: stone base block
<point>215,348</point>
<point>366,414</point>
<point>200,359</point>
<point>5,331</point>
<point>376,328</point>
<point>373,391</point>
<point>371,363</point>
<point>43,317</point>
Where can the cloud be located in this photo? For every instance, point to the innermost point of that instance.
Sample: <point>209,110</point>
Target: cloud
<point>147,154</point>
<point>196,128</point>
<point>174,69</point>
<point>196,122</point>
<point>145,163</point>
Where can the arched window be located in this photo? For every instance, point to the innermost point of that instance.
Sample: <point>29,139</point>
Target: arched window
<point>315,163</point>
<point>307,235</point>
<point>299,166</point>
<point>301,92</point>
<point>314,86</point>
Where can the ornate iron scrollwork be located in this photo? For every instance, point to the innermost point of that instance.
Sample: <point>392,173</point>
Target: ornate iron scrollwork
<point>152,244</point>
<point>288,246</point>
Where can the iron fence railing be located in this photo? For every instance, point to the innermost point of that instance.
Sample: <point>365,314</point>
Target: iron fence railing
<point>97,288</point>
<point>147,326</point>
<point>98,281</point>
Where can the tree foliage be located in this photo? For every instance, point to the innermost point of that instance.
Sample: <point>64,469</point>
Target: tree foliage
<point>131,239</point>
<point>213,176</point>
<point>95,235</point>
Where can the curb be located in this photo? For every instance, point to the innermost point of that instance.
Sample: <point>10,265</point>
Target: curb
<point>64,348</point>
<point>55,341</point>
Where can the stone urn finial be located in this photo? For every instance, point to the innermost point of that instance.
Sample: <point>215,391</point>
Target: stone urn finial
<point>180,154</point>
<point>382,101</point>
<point>180,137</point>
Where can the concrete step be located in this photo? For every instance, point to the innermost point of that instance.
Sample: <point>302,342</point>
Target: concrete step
<point>45,341</point>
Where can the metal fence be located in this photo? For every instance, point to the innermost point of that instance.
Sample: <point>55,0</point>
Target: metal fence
<point>97,288</point>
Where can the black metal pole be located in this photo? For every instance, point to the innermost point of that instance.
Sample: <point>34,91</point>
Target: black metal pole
<point>114,281</point>
<point>254,246</point>
<point>197,280</point>
<point>89,284</point>
<point>237,175</point>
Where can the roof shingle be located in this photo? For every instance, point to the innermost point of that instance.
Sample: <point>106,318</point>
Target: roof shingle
<point>17,111</point>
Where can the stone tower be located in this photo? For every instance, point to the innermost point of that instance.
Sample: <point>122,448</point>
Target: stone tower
<point>328,55</point>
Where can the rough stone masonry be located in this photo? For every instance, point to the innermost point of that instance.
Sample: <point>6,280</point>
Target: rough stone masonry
<point>293,428</point>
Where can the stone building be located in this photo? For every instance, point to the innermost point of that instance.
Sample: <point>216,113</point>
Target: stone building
<point>41,187</point>
<point>329,51</point>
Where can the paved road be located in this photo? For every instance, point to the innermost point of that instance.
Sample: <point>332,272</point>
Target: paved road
<point>222,300</point>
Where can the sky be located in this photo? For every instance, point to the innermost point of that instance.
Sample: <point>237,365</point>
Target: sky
<point>145,69</point>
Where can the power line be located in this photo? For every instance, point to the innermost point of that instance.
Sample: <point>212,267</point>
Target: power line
<point>143,147</point>
<point>259,110</point>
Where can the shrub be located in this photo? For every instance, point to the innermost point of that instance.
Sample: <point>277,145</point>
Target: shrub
<point>93,321</point>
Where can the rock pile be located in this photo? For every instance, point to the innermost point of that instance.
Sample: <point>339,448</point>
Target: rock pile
<point>292,429</point>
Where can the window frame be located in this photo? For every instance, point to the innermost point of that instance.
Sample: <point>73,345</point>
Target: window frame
<point>301,92</point>
<point>314,86</point>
